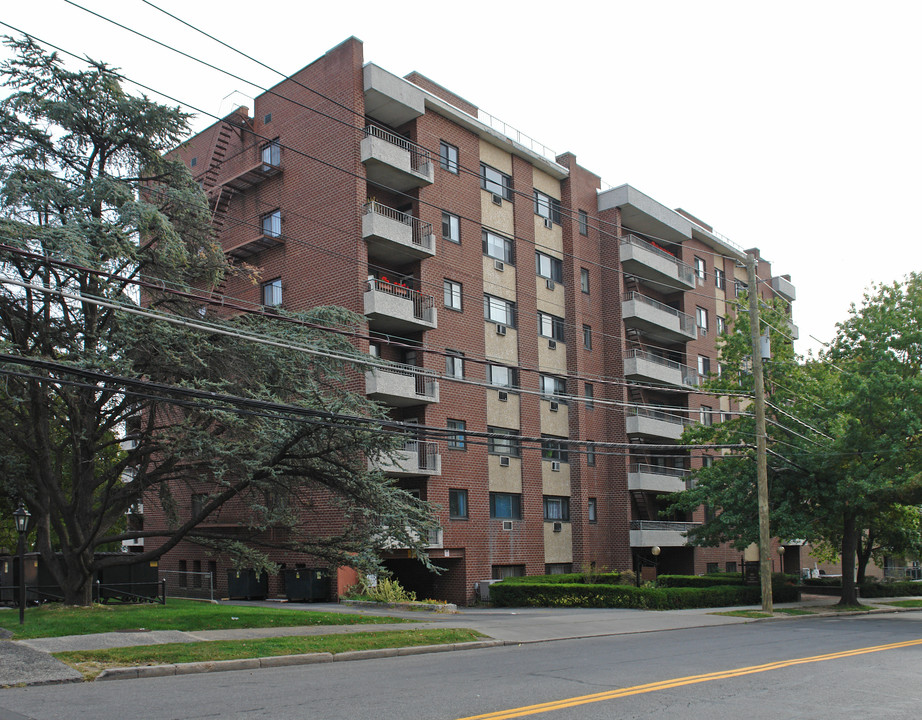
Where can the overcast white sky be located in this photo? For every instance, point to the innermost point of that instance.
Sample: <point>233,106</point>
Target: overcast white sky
<point>789,126</point>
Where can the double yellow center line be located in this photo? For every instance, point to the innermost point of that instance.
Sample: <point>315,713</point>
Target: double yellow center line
<point>679,682</point>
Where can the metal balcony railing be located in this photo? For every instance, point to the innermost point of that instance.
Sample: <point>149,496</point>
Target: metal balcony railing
<point>686,322</point>
<point>421,231</point>
<point>689,374</point>
<point>684,271</point>
<point>426,382</point>
<point>658,470</point>
<point>657,414</point>
<point>427,453</point>
<point>663,525</point>
<point>423,305</point>
<point>419,156</point>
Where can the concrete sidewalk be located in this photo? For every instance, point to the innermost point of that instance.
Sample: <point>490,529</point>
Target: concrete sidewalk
<point>28,662</point>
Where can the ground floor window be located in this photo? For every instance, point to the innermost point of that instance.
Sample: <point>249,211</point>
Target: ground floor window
<point>501,572</point>
<point>558,568</point>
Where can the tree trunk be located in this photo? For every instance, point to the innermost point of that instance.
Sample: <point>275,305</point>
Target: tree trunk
<point>865,545</point>
<point>849,551</point>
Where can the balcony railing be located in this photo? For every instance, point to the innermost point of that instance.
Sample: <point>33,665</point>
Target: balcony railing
<point>663,525</point>
<point>423,305</point>
<point>684,271</point>
<point>657,470</point>
<point>686,322</point>
<point>385,381</point>
<point>427,453</point>
<point>657,414</point>
<point>419,156</point>
<point>421,232</point>
<point>689,374</point>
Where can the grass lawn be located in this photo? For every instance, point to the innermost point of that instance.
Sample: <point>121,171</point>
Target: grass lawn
<point>794,611</point>
<point>55,620</point>
<point>906,603</point>
<point>91,662</point>
<point>760,614</point>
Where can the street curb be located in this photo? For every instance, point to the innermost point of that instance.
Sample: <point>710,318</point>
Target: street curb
<point>415,606</point>
<point>276,661</point>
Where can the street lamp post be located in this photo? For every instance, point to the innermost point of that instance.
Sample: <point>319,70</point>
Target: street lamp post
<point>781,558</point>
<point>21,516</point>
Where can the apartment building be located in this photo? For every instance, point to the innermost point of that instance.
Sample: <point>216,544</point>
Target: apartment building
<point>513,295</point>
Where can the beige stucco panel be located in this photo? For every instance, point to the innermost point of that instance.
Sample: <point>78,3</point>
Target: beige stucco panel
<point>550,301</point>
<point>502,349</point>
<point>558,546</point>
<point>545,183</point>
<point>555,482</point>
<point>503,413</point>
<point>499,218</point>
<point>548,240</point>
<point>555,423</point>
<point>505,479</point>
<point>554,361</point>
<point>494,157</point>
<point>500,283</point>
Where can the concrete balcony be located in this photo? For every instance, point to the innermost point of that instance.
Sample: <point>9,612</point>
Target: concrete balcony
<point>641,365</point>
<point>433,539</point>
<point>401,386</point>
<point>793,330</point>
<point>417,458</point>
<point>395,237</point>
<point>655,424</point>
<point>784,288</point>
<point>394,309</point>
<point>657,320</point>
<point>656,479</point>
<point>651,262</point>
<point>650,533</point>
<point>390,99</point>
<point>395,162</point>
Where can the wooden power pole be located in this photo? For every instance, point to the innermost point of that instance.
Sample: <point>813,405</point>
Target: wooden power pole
<point>765,562</point>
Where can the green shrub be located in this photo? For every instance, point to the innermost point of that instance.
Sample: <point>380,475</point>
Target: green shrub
<point>385,591</point>
<point>609,578</point>
<point>896,589</point>
<point>823,582</point>
<point>523,594</point>
<point>778,579</point>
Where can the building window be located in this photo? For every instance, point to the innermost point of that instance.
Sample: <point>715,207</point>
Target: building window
<point>272,293</point>
<point>731,567</point>
<point>267,118</point>
<point>272,224</point>
<point>550,326</point>
<point>498,310</point>
<point>451,227</point>
<point>553,387</point>
<point>496,182</point>
<point>556,507</point>
<point>498,247</point>
<point>713,568</point>
<point>584,280</point>
<point>183,576</point>
<point>593,511</point>
<point>558,568</point>
<point>457,438</point>
<point>457,504</point>
<point>707,415</point>
<point>547,207</point>
<point>506,506</point>
<point>587,337</point>
<point>549,267</point>
<point>700,268</point>
<point>452,294</point>
<point>720,279</point>
<point>193,162</point>
<point>554,447</point>
<point>503,441</point>
<point>502,376</point>
<point>501,572</point>
<point>271,154</point>
<point>454,364</point>
<point>590,454</point>
<point>583,222</point>
<point>448,157</point>
<point>721,325</point>
<point>740,287</point>
<point>590,396</point>
<point>704,366</point>
<point>701,315</point>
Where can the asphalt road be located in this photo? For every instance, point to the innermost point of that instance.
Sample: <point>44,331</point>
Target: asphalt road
<point>712,673</point>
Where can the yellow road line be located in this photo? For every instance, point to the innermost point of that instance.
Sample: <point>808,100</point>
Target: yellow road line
<point>678,682</point>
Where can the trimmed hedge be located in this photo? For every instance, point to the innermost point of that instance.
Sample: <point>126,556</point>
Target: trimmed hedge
<point>717,579</point>
<point>823,582</point>
<point>609,578</point>
<point>524,594</point>
<point>894,589</point>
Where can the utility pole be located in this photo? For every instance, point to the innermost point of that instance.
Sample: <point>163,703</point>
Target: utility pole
<point>765,561</point>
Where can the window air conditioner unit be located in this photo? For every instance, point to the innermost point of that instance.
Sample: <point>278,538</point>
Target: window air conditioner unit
<point>503,396</point>
<point>703,331</point>
<point>507,525</point>
<point>504,461</point>
<point>548,223</point>
<point>552,344</point>
<point>550,284</point>
<point>555,406</point>
<point>558,527</point>
<point>497,199</point>
<point>500,329</point>
<point>499,265</point>
<point>555,465</point>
